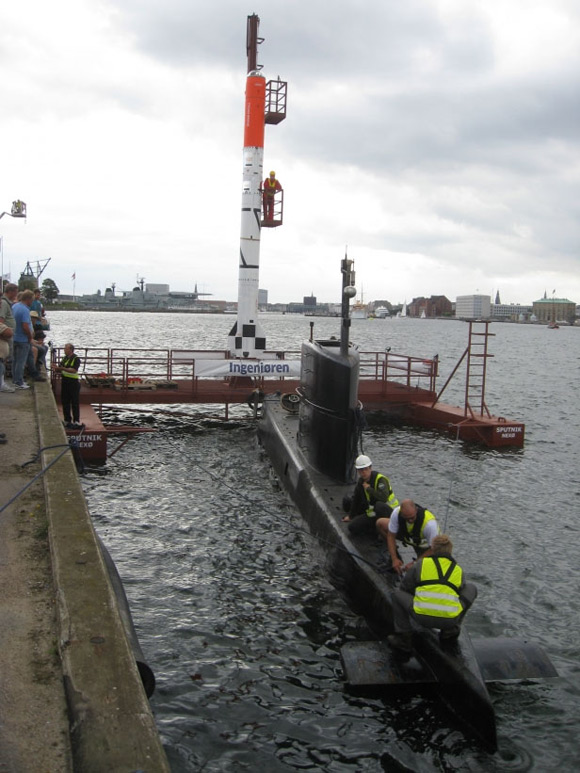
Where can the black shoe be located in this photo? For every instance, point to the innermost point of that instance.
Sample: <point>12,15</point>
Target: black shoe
<point>76,425</point>
<point>69,425</point>
<point>403,642</point>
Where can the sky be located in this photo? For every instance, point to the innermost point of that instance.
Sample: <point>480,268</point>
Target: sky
<point>437,141</point>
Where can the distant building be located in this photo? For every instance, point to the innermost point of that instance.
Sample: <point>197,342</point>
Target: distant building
<point>512,311</point>
<point>473,307</point>
<point>309,302</point>
<point>555,310</point>
<point>262,299</point>
<point>435,306</point>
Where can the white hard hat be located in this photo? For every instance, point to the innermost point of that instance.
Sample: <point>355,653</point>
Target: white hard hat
<point>362,461</point>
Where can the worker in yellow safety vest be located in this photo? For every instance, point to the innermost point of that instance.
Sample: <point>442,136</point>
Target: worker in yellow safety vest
<point>70,387</point>
<point>412,525</point>
<point>270,189</point>
<point>373,498</point>
<point>433,594</point>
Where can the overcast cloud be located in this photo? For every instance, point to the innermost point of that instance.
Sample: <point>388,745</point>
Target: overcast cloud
<point>438,139</point>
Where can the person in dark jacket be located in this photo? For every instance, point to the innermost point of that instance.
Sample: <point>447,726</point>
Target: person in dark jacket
<point>70,387</point>
<point>373,498</point>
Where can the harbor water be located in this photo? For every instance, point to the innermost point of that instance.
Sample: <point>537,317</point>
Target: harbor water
<point>232,597</point>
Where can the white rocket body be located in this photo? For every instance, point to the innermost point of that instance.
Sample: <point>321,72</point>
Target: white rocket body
<point>246,338</point>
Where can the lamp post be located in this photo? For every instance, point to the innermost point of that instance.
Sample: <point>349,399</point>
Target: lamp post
<point>18,210</point>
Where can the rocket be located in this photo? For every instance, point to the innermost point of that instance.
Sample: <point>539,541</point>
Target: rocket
<point>246,338</point>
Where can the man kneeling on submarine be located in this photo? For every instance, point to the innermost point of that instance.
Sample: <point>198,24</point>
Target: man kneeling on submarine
<point>432,594</point>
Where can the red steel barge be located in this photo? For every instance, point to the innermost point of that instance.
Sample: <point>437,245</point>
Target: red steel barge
<point>400,386</point>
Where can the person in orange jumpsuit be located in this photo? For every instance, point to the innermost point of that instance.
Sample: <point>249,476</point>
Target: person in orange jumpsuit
<point>271,188</point>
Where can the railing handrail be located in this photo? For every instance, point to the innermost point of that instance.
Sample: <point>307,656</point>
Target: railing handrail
<point>131,362</point>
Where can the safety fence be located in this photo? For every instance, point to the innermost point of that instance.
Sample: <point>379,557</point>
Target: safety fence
<point>126,369</point>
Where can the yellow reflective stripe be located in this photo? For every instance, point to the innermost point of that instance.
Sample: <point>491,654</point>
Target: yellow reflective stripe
<point>68,363</point>
<point>433,594</point>
<point>437,604</point>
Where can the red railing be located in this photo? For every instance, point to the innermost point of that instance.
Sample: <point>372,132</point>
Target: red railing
<point>122,368</point>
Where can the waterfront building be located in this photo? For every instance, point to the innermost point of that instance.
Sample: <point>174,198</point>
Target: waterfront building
<point>555,310</point>
<point>514,312</point>
<point>435,306</point>
<point>473,307</point>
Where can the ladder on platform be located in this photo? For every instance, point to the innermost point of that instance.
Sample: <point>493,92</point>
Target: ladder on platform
<point>477,355</point>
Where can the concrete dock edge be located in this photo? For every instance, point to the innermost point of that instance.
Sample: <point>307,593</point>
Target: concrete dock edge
<point>112,725</point>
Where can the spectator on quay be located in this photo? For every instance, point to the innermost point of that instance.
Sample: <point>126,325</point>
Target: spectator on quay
<point>37,305</point>
<point>7,317</point>
<point>6,334</point>
<point>36,323</point>
<point>39,349</point>
<point>22,342</point>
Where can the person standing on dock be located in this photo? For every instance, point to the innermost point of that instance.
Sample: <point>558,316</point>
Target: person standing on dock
<point>412,525</point>
<point>7,317</point>
<point>433,594</point>
<point>6,334</point>
<point>70,387</point>
<point>23,333</point>
<point>37,310</point>
<point>373,498</point>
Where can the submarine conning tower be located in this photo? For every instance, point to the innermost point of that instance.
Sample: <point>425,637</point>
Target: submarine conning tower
<point>328,421</point>
<point>327,431</point>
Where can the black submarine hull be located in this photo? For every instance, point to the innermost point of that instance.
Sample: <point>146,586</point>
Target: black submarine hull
<point>319,499</point>
<point>311,440</point>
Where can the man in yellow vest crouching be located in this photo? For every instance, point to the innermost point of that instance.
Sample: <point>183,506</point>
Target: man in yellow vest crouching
<point>433,594</point>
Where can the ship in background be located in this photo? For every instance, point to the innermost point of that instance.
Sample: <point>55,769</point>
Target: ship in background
<point>148,297</point>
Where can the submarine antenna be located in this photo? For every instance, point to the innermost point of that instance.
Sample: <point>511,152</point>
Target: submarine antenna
<point>348,292</point>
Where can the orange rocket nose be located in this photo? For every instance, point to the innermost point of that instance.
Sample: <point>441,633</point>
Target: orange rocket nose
<point>254,117</point>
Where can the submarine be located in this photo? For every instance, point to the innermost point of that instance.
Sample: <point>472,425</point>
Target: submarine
<point>311,437</point>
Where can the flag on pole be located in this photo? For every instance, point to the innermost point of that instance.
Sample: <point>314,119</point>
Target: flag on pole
<point>74,276</point>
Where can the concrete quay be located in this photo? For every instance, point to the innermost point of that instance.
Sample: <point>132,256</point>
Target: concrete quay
<point>71,698</point>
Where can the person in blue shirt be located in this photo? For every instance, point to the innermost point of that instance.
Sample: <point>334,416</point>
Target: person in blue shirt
<point>23,334</point>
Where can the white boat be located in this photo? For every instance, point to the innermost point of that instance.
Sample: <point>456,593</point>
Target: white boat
<point>358,311</point>
<point>382,312</point>
<point>423,315</point>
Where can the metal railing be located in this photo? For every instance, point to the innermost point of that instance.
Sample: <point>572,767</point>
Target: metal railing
<point>137,368</point>
<point>128,368</point>
<point>400,368</point>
